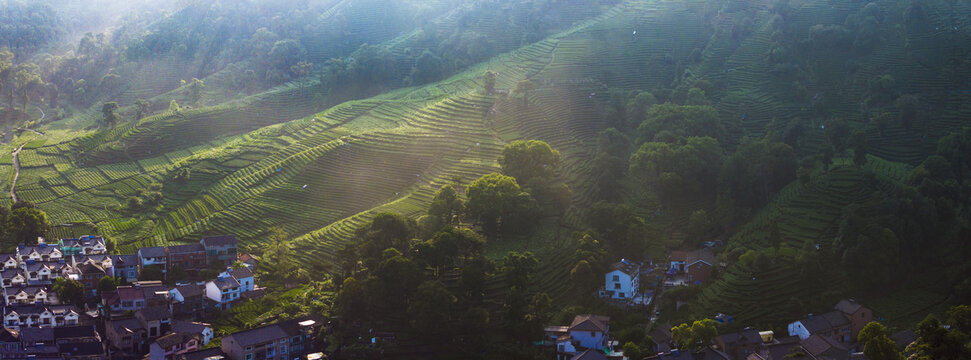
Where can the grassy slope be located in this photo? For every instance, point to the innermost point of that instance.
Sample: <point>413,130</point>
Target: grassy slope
<point>391,152</point>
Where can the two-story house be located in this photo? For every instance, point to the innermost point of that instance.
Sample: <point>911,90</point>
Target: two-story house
<point>153,256</point>
<point>740,344</point>
<point>858,315</point>
<point>125,267</point>
<point>9,261</point>
<point>43,271</point>
<point>12,277</point>
<point>220,248</point>
<point>833,325</point>
<point>10,347</point>
<point>40,252</point>
<point>168,346</point>
<point>187,300</point>
<point>187,257</point>
<point>90,274</point>
<point>202,330</point>
<point>155,319</point>
<point>244,276</point>
<point>223,290</point>
<point>85,245</point>
<point>622,282</point>
<point>126,336</point>
<point>28,295</point>
<point>698,265</point>
<point>586,332</point>
<point>285,340</point>
<point>80,342</point>
<point>25,316</point>
<point>124,298</point>
<point>104,261</point>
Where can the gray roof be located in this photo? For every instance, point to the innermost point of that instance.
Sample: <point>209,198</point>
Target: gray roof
<point>10,273</point>
<point>589,355</point>
<point>155,313</point>
<point>88,268</point>
<point>188,327</point>
<point>245,272</point>
<point>81,349</point>
<point>4,257</point>
<point>587,322</point>
<point>226,283</point>
<point>904,338</point>
<point>47,249</point>
<point>86,240</point>
<point>131,324</point>
<point>35,335</point>
<point>185,249</point>
<point>170,340</point>
<point>36,266</point>
<point>849,307</point>
<point>37,309</point>
<point>746,336</point>
<point>30,290</point>
<point>700,255</point>
<point>190,290</point>
<point>625,266</point>
<point>152,252</point>
<point>201,354</point>
<point>124,260</point>
<point>74,332</point>
<point>832,319</point>
<point>258,336</point>
<point>221,240</point>
<point>818,344</point>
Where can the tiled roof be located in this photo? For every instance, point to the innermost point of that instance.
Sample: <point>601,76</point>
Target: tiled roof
<point>226,283</point>
<point>626,266</point>
<point>185,249</point>
<point>152,252</point>
<point>10,273</point>
<point>700,255</point>
<point>155,313</point>
<point>123,325</point>
<point>189,327</point>
<point>221,240</point>
<point>818,344</point>
<point>9,336</point>
<point>589,355</point>
<point>75,332</point>
<point>48,249</point>
<point>71,350</point>
<point>587,322</point>
<point>35,335</point>
<point>202,354</point>
<point>190,290</point>
<point>124,260</point>
<point>257,336</point>
<point>848,306</point>
<point>244,272</point>
<point>171,340</point>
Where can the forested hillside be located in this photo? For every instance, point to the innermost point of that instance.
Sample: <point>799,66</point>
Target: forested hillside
<point>824,143</point>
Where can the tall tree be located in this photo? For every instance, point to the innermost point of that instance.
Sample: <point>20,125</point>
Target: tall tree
<point>877,345</point>
<point>523,87</point>
<point>69,291</point>
<point>446,205</point>
<point>26,80</point>
<point>6,65</point>
<point>26,224</point>
<point>696,335</point>
<point>108,117</point>
<point>525,160</point>
<point>498,203</point>
<point>143,108</point>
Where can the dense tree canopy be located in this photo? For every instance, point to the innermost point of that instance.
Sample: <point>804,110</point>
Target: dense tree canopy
<point>498,203</point>
<point>525,160</point>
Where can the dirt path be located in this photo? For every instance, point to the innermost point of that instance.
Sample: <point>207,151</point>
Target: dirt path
<point>16,167</point>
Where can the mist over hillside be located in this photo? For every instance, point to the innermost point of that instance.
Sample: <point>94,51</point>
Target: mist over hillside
<point>472,169</point>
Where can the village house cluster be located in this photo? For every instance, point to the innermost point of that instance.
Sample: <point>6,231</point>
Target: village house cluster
<point>141,318</point>
<point>828,336</point>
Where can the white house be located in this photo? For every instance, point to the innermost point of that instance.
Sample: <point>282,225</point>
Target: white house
<point>28,295</point>
<point>149,256</point>
<point>104,261</point>
<point>9,261</point>
<point>13,277</point>
<point>224,290</point>
<point>202,330</point>
<point>590,331</point>
<point>35,316</point>
<point>243,276</point>
<point>41,252</point>
<point>622,282</point>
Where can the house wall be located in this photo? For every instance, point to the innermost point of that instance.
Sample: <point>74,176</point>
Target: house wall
<point>699,272</point>
<point>588,339</point>
<point>858,320</point>
<point>797,329</point>
<point>628,285</point>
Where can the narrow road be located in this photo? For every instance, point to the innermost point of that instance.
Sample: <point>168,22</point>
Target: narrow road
<point>16,167</point>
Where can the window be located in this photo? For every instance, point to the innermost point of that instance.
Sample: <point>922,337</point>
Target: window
<point>593,334</point>
<point>249,348</point>
<point>270,351</point>
<point>863,314</point>
<point>249,356</point>
<point>621,294</point>
<point>616,278</point>
<point>283,349</point>
<point>616,285</point>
